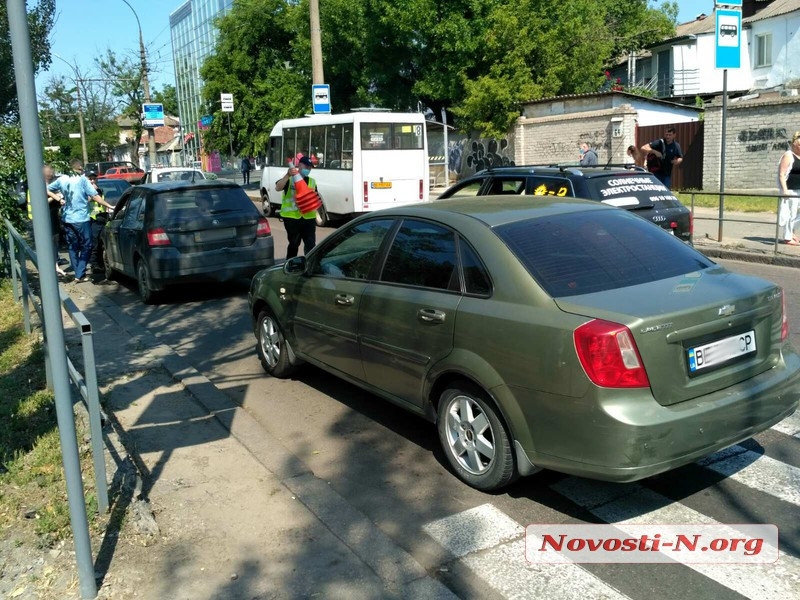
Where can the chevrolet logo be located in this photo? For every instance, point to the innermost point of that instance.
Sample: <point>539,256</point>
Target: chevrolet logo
<point>726,310</point>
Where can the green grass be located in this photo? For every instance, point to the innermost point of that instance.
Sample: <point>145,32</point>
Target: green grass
<point>32,487</point>
<point>732,203</point>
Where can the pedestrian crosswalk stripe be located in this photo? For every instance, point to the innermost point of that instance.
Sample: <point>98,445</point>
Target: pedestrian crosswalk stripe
<point>628,504</point>
<point>757,471</point>
<point>506,570</point>
<point>490,543</point>
<point>475,529</point>
<point>790,425</point>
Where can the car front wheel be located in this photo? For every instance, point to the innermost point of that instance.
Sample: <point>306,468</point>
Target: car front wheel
<point>111,275</point>
<point>474,438</point>
<point>273,349</point>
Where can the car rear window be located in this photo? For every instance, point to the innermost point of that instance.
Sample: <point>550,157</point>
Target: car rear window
<point>631,190</point>
<point>178,205</point>
<point>594,251</point>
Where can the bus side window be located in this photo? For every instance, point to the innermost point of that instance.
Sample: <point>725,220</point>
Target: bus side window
<point>347,146</point>
<point>333,146</point>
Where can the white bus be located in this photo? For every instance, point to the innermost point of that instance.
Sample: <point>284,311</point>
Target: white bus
<point>364,161</point>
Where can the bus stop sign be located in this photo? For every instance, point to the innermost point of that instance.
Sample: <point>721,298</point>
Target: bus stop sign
<point>728,39</point>
<point>321,97</point>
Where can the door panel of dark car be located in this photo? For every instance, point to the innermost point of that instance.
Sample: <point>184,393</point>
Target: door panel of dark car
<point>130,230</point>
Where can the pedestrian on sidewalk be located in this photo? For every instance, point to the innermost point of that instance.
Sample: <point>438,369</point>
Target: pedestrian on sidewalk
<point>588,156</point>
<point>663,155</point>
<point>99,217</point>
<point>789,188</point>
<point>245,171</point>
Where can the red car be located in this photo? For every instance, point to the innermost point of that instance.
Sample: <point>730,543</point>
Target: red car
<point>130,174</point>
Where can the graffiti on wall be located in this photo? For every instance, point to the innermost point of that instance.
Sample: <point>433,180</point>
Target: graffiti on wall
<point>469,156</point>
<point>765,139</point>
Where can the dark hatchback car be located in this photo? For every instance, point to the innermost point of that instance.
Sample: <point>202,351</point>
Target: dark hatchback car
<point>624,186</point>
<point>180,232</point>
<point>560,334</point>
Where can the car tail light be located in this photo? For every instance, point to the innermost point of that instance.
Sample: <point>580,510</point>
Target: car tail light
<point>420,189</point>
<point>157,237</point>
<point>784,318</point>
<point>366,192</point>
<point>262,230</point>
<point>673,225</point>
<point>609,355</point>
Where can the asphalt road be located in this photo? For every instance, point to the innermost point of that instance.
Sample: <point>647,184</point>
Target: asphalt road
<point>387,464</point>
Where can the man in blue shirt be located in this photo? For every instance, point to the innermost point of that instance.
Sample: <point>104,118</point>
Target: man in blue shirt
<point>77,192</point>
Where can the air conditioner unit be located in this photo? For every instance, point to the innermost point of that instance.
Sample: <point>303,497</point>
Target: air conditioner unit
<point>789,92</point>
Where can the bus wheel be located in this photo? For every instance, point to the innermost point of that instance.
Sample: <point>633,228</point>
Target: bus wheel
<point>266,207</point>
<point>322,217</point>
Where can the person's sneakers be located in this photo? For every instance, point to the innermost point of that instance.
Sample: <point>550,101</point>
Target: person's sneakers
<point>83,279</point>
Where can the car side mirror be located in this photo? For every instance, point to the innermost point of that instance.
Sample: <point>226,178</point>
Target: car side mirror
<point>295,266</point>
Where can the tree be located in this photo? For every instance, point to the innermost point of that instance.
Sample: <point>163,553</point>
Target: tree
<point>168,96</point>
<point>40,22</point>
<point>125,77</point>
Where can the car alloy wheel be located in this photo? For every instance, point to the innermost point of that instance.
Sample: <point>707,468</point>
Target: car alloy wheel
<point>474,439</point>
<point>273,349</point>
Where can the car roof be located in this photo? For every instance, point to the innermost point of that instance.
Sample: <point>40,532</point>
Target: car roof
<point>576,170</point>
<point>174,169</point>
<point>499,210</point>
<point>163,186</point>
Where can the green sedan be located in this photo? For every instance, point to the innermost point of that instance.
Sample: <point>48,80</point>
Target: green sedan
<point>565,335</point>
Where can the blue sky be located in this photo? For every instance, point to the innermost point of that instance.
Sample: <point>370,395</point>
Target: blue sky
<point>82,33</point>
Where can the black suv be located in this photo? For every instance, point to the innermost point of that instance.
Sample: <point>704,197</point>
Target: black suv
<point>625,186</point>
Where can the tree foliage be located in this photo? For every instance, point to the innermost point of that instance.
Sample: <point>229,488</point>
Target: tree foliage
<point>480,59</point>
<point>125,77</point>
<point>167,96</point>
<point>40,22</point>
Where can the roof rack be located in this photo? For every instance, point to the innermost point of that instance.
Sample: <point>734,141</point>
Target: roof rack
<point>565,166</point>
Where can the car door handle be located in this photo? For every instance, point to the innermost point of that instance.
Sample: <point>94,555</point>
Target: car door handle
<point>430,315</point>
<point>345,299</point>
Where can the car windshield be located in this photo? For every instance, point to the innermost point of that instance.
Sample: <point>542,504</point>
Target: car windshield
<point>177,205</point>
<point>111,191</point>
<point>631,190</point>
<point>594,251</point>
<point>178,175</point>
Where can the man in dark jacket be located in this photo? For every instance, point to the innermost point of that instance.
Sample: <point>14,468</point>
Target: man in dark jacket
<point>669,153</point>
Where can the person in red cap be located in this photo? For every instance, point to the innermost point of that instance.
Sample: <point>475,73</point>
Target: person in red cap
<point>299,226</point>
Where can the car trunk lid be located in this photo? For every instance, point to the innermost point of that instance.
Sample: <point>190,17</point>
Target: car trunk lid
<point>693,335</point>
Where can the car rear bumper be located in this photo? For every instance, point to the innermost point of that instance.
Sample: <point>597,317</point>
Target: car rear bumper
<point>168,266</point>
<point>630,436</point>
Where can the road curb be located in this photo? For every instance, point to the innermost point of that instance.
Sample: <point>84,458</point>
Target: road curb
<point>778,260</point>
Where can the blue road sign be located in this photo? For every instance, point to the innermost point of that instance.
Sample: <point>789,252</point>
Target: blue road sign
<point>153,115</point>
<point>321,97</point>
<point>729,39</point>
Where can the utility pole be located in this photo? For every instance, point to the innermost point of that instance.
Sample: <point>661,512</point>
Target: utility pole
<point>317,75</point>
<point>78,82</point>
<point>151,137</point>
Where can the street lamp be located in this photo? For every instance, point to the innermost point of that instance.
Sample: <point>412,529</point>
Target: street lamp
<point>80,108</point>
<point>151,138</point>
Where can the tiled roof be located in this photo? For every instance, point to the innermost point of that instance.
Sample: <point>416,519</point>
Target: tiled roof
<point>774,9</point>
<point>703,25</point>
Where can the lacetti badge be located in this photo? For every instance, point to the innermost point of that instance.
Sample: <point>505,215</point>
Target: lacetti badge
<point>727,310</point>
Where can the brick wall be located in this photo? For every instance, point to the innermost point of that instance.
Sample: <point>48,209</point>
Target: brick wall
<point>757,134</point>
<point>555,139</point>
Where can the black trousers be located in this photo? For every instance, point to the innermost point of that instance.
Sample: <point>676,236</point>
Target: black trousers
<point>298,230</point>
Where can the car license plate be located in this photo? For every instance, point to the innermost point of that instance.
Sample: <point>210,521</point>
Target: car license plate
<point>720,351</point>
<point>214,235</point>
<point>381,185</point>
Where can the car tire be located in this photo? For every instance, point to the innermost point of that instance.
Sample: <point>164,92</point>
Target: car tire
<point>474,439</point>
<point>322,217</point>
<point>146,292</point>
<point>273,349</point>
<point>110,273</point>
<point>266,207</point>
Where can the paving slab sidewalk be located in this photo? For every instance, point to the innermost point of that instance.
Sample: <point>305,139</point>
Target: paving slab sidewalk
<point>219,509</point>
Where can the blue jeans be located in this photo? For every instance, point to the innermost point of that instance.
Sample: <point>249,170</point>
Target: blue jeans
<point>665,179</point>
<point>79,244</point>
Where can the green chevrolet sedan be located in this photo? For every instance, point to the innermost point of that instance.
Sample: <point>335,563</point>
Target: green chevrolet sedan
<point>565,335</point>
